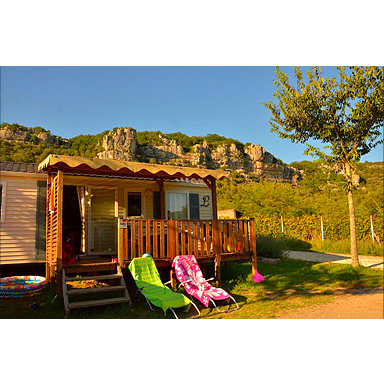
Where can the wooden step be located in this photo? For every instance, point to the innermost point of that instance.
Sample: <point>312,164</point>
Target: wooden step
<point>83,291</point>
<point>90,267</point>
<point>100,267</point>
<point>99,277</point>
<point>94,303</point>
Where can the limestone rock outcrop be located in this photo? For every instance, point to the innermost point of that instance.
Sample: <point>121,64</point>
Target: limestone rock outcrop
<point>253,163</point>
<point>119,145</point>
<point>29,135</point>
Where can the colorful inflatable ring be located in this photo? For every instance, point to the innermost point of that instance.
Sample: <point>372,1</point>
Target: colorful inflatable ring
<point>18,286</point>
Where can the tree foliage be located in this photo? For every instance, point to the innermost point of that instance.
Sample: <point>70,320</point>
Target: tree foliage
<point>345,115</point>
<point>187,142</point>
<point>320,192</point>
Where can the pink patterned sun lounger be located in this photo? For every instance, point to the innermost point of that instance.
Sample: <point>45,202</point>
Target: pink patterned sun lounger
<point>189,274</point>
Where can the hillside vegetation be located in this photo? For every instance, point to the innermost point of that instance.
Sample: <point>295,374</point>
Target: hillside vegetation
<point>90,145</point>
<point>319,193</point>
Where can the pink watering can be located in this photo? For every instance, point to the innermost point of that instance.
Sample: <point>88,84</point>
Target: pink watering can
<point>258,278</point>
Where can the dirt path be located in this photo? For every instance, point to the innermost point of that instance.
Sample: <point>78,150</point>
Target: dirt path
<point>320,257</point>
<point>359,305</point>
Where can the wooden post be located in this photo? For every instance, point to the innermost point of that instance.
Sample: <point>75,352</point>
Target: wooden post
<point>322,228</point>
<point>282,227</point>
<point>171,239</point>
<point>216,249</point>
<point>48,237</point>
<point>171,248</point>
<point>59,250</point>
<point>214,199</point>
<point>218,269</point>
<point>252,243</point>
<point>211,182</point>
<point>120,237</point>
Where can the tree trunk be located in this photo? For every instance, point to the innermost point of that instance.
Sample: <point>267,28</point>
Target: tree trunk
<point>352,224</point>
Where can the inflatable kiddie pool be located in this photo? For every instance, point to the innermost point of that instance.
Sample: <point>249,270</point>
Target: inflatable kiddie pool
<point>18,286</point>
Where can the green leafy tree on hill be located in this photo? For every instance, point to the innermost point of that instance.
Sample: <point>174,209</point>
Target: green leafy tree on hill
<point>345,115</point>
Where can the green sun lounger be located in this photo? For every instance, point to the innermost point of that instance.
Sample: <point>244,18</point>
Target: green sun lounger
<point>149,284</point>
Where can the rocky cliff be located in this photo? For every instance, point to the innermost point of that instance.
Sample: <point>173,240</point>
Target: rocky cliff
<point>253,162</point>
<point>31,135</point>
<point>119,145</point>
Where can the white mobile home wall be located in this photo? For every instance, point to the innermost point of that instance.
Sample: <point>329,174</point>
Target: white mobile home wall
<point>18,222</point>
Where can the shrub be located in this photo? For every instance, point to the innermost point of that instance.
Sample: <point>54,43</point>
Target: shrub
<point>269,247</point>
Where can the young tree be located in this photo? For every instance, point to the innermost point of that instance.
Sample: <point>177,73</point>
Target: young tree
<point>346,115</point>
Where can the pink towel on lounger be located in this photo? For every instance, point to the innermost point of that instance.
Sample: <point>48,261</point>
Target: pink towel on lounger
<point>187,268</point>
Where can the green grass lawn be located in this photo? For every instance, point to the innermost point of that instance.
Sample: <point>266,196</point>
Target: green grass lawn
<point>292,284</point>
<point>288,285</point>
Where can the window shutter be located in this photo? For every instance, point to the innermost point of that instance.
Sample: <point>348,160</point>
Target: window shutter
<point>156,205</point>
<point>40,219</point>
<point>194,206</point>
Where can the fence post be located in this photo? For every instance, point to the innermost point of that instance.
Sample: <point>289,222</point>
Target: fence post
<point>282,227</point>
<point>216,249</point>
<point>59,240</point>
<point>171,239</point>
<point>322,228</point>
<point>372,231</point>
<point>171,248</point>
<point>120,245</point>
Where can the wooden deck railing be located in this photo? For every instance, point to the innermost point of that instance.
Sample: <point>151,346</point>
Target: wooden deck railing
<point>165,239</point>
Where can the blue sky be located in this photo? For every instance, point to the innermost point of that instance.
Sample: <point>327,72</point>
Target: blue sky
<point>193,100</point>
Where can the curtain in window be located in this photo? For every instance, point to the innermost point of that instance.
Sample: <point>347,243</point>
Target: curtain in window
<point>81,198</point>
<point>103,221</point>
<point>177,206</point>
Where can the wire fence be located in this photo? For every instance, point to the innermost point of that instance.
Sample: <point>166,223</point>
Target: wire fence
<point>313,227</point>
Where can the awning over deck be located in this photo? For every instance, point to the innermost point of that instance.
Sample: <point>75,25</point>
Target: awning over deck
<point>127,168</point>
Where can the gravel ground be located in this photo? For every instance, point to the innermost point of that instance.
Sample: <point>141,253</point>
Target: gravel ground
<point>357,305</point>
<point>361,304</point>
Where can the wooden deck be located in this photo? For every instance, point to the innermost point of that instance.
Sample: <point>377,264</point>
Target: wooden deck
<point>209,240</point>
